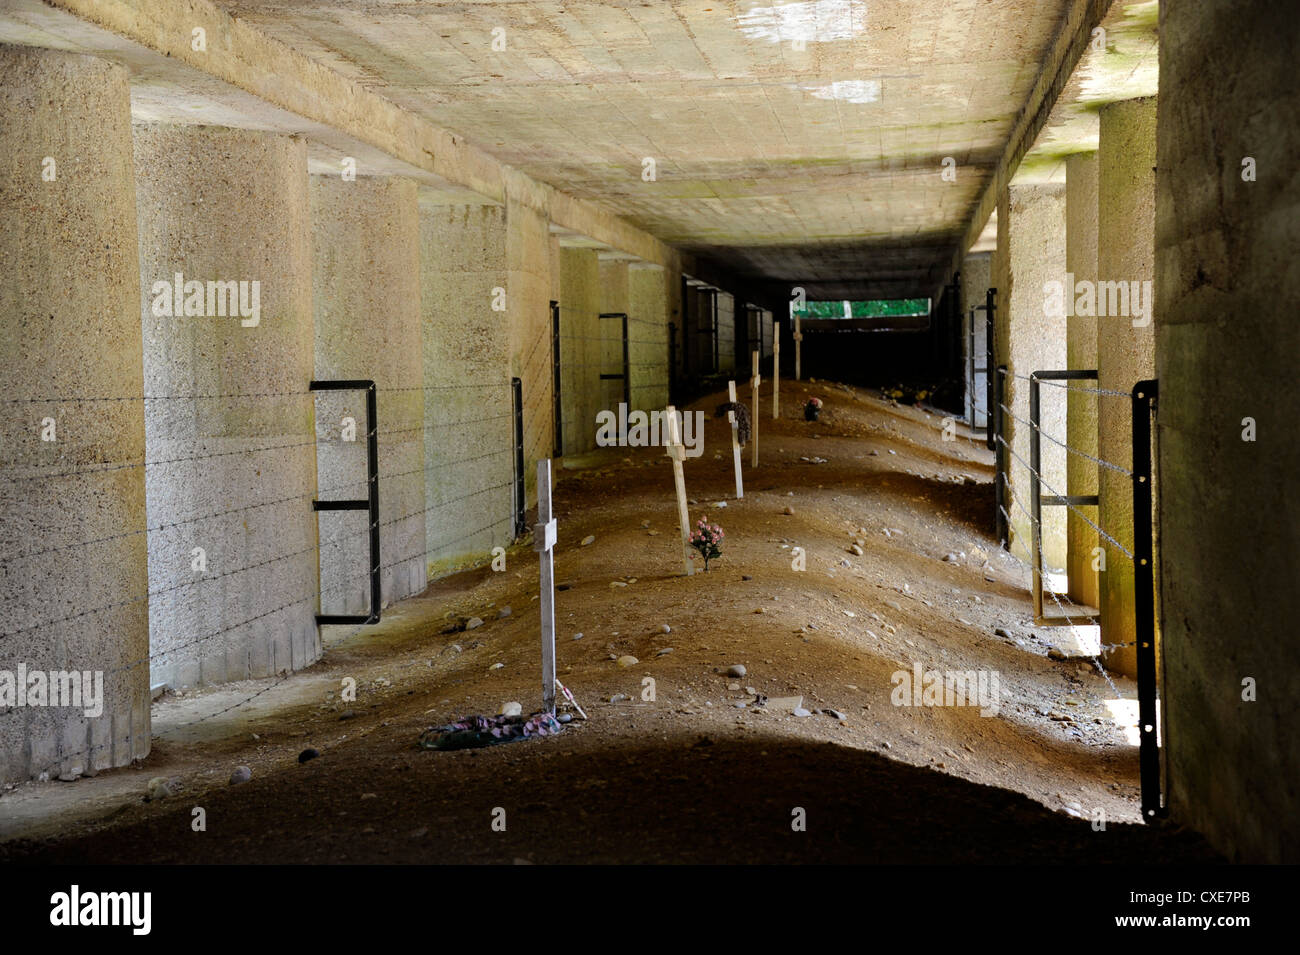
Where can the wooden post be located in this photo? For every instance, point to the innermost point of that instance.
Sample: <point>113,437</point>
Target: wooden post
<point>753,424</point>
<point>776,370</point>
<point>735,439</point>
<point>798,349</point>
<point>677,452</point>
<point>544,532</point>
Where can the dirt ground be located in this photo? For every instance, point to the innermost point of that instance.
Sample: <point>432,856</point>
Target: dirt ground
<point>689,776</point>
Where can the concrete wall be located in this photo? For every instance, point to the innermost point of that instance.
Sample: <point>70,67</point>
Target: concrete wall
<point>1226,344</point>
<point>1081,348</point>
<point>1031,253</point>
<point>580,348</point>
<point>468,418</point>
<point>1125,351</point>
<point>70,327</point>
<point>648,290</point>
<point>217,204</point>
<point>366,299</point>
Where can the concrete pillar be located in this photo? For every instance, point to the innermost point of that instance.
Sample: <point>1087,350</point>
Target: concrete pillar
<point>1030,256</point>
<point>614,297</point>
<point>580,351</point>
<point>219,205</point>
<point>468,418</point>
<point>528,288</point>
<point>726,333</point>
<point>976,277</point>
<point>1125,342</point>
<point>1081,424</point>
<point>73,579</point>
<point>366,298</point>
<point>648,304</point>
<point>1227,204</point>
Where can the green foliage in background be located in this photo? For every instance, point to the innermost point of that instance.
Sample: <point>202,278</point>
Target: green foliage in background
<point>869,309</point>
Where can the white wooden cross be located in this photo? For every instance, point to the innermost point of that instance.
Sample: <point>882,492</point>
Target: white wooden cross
<point>776,370</point>
<point>677,452</point>
<point>544,533</point>
<point>735,439</point>
<point>753,424</point>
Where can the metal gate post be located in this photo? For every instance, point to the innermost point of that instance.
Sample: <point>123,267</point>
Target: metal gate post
<point>1036,493</point>
<point>1144,403</point>
<point>989,387</point>
<point>370,504</point>
<point>517,398</point>
<point>627,368</point>
<point>672,362</point>
<point>556,395</point>
<point>999,457</point>
<point>717,357</point>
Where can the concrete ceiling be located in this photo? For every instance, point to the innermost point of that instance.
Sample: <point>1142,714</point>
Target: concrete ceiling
<point>1122,62</point>
<point>818,166</point>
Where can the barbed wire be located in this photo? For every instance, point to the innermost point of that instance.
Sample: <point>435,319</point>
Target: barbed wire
<point>64,758</point>
<point>1083,454</point>
<point>1083,517</point>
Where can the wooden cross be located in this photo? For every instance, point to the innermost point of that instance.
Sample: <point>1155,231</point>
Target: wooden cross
<point>776,370</point>
<point>753,424</point>
<point>677,452</point>
<point>735,439</point>
<point>544,533</point>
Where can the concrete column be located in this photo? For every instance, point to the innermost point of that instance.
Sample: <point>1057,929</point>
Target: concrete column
<point>580,351</point>
<point>1227,204</point>
<point>1081,424</point>
<point>528,287</point>
<point>1030,255</point>
<point>366,299</point>
<point>73,577</point>
<point>468,421</point>
<point>614,297</point>
<point>648,288</point>
<point>727,333</point>
<point>219,205</point>
<point>1125,341</point>
<point>976,277</point>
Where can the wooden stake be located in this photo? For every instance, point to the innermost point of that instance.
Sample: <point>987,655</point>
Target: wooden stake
<point>544,533</point>
<point>677,452</point>
<point>753,424</point>
<point>735,439</point>
<point>776,370</point>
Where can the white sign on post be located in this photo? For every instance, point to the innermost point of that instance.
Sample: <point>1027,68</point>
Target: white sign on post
<point>735,439</point>
<point>677,452</point>
<point>544,534</point>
